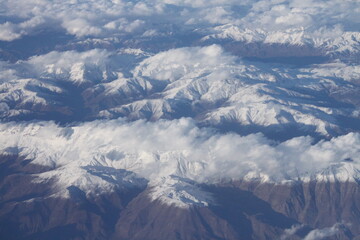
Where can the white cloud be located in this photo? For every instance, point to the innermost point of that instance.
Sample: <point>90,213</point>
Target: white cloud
<point>173,64</point>
<point>32,23</point>
<point>316,234</point>
<point>97,18</point>
<point>171,148</point>
<point>69,65</point>
<point>319,234</point>
<point>294,19</point>
<point>81,27</point>
<point>8,32</point>
<point>124,25</point>
<point>291,231</point>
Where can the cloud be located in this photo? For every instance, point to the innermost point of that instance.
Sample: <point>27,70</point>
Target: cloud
<point>73,66</point>
<point>109,18</point>
<point>81,27</point>
<point>174,64</point>
<point>124,25</point>
<point>156,150</point>
<point>294,19</point>
<point>313,14</point>
<point>8,32</point>
<point>318,234</point>
<point>291,231</point>
<point>77,18</point>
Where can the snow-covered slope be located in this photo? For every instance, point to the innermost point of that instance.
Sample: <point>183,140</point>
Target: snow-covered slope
<point>241,92</point>
<point>335,42</point>
<point>206,83</point>
<point>336,172</point>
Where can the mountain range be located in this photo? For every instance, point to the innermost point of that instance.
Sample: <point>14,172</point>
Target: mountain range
<point>179,120</point>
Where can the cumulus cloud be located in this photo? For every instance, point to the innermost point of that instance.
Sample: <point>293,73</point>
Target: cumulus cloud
<point>302,13</point>
<point>318,234</point>
<point>294,19</point>
<point>81,27</point>
<point>173,64</point>
<point>107,18</point>
<point>92,65</point>
<point>173,148</point>
<point>291,231</point>
<point>10,31</point>
<point>65,60</point>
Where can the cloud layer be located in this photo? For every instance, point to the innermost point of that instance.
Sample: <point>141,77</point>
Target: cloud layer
<point>316,234</point>
<point>165,149</point>
<point>178,63</point>
<point>110,18</point>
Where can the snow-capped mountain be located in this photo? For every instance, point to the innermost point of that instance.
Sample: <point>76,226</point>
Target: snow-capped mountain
<point>324,44</point>
<point>105,166</point>
<point>208,84</point>
<point>81,156</point>
<point>179,119</point>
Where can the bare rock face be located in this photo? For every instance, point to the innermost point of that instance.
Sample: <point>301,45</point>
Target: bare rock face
<point>29,211</point>
<point>241,210</point>
<point>317,204</point>
<point>237,214</point>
